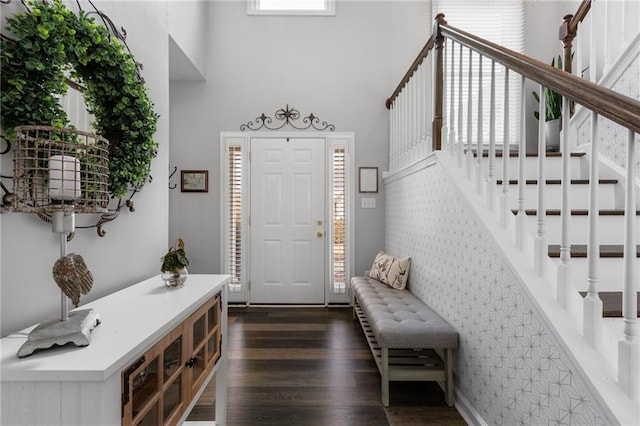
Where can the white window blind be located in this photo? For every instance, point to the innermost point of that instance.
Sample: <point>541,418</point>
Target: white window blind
<point>499,21</point>
<point>235,238</point>
<point>338,213</point>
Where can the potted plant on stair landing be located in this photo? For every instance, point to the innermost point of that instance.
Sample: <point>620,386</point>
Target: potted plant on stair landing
<point>174,265</point>
<point>553,112</point>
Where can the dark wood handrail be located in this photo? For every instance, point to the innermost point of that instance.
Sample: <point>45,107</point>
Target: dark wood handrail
<point>607,103</point>
<point>417,62</point>
<point>412,69</point>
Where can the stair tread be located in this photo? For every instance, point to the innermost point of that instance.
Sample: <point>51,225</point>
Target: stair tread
<point>530,154</point>
<point>558,181</point>
<point>612,303</point>
<point>575,212</point>
<point>580,250</point>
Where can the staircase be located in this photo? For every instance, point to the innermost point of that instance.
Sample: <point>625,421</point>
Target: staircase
<point>533,258</point>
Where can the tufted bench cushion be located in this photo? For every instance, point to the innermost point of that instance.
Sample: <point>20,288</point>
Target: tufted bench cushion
<point>399,319</point>
<point>404,336</point>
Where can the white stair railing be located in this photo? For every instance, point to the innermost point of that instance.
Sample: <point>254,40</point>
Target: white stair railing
<point>412,110</point>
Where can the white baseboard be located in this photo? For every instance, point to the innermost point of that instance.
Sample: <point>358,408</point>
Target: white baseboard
<point>468,413</point>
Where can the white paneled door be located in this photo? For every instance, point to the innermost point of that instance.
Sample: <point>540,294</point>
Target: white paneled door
<point>287,220</point>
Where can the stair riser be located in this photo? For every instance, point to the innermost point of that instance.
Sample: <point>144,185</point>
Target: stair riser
<point>608,196</point>
<point>610,229</point>
<point>610,272</point>
<point>579,168</point>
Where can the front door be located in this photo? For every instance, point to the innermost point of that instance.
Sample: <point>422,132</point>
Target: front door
<point>287,220</point>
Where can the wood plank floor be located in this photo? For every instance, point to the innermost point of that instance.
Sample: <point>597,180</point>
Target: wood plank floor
<point>312,366</point>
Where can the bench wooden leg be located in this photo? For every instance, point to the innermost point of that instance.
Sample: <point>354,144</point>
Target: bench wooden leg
<point>448,385</point>
<point>385,376</point>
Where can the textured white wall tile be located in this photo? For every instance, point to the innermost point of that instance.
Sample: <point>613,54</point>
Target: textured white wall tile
<point>509,365</point>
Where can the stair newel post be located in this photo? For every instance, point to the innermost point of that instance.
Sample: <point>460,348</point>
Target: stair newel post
<point>592,311</point>
<point>540,242</point>
<point>563,282</point>
<point>436,132</point>
<point>480,131</point>
<point>629,347</point>
<point>504,201</point>
<point>452,117</point>
<point>469,157</point>
<point>491,178</point>
<point>521,217</point>
<point>460,144</point>
<point>567,34</point>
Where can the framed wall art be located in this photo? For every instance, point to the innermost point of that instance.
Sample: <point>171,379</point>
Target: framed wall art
<point>194,181</point>
<point>368,179</point>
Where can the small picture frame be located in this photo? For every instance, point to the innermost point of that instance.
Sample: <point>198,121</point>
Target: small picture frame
<point>368,179</point>
<point>194,181</point>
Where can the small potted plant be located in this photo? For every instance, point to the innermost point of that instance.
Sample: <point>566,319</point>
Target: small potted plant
<point>174,265</point>
<point>553,112</point>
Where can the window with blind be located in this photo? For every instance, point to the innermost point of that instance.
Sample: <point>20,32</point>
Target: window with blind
<point>235,266</point>
<point>338,223</point>
<point>499,21</point>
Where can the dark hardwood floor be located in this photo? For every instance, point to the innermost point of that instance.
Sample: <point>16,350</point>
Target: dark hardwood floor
<point>312,366</point>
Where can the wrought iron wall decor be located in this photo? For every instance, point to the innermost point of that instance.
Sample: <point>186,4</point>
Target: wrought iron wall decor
<point>287,115</point>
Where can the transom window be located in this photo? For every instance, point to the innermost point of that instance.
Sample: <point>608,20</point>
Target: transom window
<point>292,7</point>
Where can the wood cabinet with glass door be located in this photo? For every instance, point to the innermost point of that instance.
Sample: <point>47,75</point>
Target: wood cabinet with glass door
<point>158,386</point>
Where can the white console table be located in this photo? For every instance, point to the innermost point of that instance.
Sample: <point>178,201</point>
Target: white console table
<point>82,386</point>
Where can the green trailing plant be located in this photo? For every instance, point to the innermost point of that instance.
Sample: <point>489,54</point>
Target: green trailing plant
<point>175,259</point>
<point>553,101</point>
<point>50,43</point>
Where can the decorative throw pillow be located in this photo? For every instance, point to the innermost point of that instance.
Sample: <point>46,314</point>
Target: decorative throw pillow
<point>391,270</point>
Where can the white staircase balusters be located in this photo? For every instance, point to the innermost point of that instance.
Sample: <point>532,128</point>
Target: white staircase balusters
<point>445,120</point>
<point>540,242</point>
<point>521,217</point>
<point>504,197</point>
<point>629,346</point>
<point>460,142</point>
<point>491,172</point>
<point>563,281</point>
<point>469,157</point>
<point>420,107</point>
<point>607,37</point>
<point>452,118</point>
<point>592,311</point>
<point>426,105</point>
<point>413,156</point>
<point>479,140</point>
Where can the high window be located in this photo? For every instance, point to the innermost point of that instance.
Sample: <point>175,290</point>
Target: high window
<point>499,21</point>
<point>292,7</point>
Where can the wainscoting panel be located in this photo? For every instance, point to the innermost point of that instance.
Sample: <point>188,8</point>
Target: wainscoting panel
<point>509,366</point>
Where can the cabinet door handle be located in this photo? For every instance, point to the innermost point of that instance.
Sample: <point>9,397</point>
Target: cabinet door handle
<point>192,362</point>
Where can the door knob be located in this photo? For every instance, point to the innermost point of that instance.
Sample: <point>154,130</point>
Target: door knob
<point>319,234</point>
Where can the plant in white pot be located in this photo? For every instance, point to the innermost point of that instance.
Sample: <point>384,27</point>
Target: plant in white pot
<point>553,112</point>
<point>174,265</point>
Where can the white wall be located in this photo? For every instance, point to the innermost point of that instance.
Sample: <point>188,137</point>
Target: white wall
<point>187,49</point>
<point>135,241</point>
<point>340,68</point>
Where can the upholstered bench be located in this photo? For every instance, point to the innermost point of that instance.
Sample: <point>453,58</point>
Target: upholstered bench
<point>402,333</point>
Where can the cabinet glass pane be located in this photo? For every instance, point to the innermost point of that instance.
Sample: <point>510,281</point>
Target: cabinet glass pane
<point>144,385</point>
<point>212,317</point>
<point>198,331</point>
<point>198,367</point>
<point>172,397</point>
<point>211,346</point>
<point>151,418</point>
<point>172,357</point>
